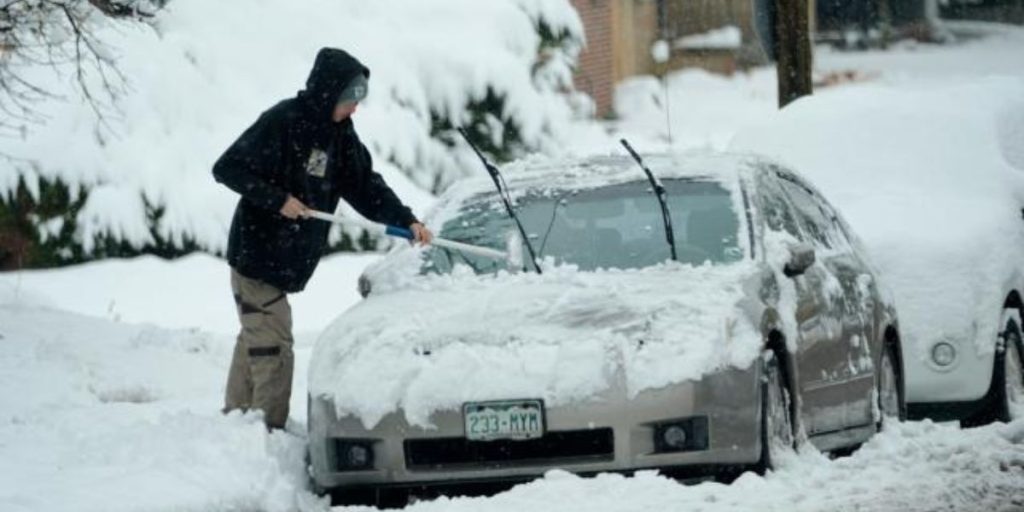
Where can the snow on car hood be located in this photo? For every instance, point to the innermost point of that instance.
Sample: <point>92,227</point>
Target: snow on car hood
<point>564,336</point>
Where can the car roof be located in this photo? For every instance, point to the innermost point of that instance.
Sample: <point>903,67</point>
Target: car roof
<point>540,172</point>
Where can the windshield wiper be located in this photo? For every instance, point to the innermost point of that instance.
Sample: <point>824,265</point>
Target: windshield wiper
<point>659,192</point>
<point>499,183</point>
<point>448,252</point>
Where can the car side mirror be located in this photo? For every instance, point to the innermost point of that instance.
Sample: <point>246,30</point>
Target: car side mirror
<point>364,285</point>
<point>801,257</point>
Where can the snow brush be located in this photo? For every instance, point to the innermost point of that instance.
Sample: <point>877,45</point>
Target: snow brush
<point>512,255</point>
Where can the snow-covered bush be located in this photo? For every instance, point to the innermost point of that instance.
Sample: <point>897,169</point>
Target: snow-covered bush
<point>200,72</point>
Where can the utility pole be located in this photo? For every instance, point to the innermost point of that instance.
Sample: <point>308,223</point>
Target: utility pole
<point>793,50</point>
<point>885,21</point>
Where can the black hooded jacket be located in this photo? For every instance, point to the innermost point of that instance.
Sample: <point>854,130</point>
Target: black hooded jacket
<point>295,148</point>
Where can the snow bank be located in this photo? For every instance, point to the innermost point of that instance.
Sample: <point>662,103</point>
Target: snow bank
<point>984,49</point>
<point>924,175</point>
<point>102,416</point>
<point>704,110</point>
<point>192,292</point>
<point>916,467</point>
<point>208,69</point>
<point>707,110</point>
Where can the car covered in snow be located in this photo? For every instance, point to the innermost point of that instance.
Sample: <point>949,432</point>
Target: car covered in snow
<point>932,178</point>
<point>609,354</point>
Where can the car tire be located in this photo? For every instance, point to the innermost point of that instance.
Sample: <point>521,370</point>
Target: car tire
<point>1005,401</point>
<point>1010,394</point>
<point>890,399</point>
<point>777,437</point>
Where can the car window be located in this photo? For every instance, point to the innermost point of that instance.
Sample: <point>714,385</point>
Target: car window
<point>818,222</point>
<point>613,226</point>
<point>777,212</point>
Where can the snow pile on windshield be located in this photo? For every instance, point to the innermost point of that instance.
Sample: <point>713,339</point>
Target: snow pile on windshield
<point>207,70</point>
<point>564,336</point>
<point>925,175</point>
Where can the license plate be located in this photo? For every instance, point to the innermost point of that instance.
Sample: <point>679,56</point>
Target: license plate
<point>508,419</point>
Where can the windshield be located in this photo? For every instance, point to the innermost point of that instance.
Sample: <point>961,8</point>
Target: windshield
<point>616,226</point>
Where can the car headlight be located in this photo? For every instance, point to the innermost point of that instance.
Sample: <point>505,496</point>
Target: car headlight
<point>687,434</point>
<point>674,437</point>
<point>353,455</point>
<point>943,354</point>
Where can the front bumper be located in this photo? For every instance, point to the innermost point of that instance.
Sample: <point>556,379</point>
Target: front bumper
<point>966,380</point>
<point>612,433</point>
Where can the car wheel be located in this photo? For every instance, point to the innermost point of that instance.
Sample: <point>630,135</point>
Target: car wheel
<point>776,413</point>
<point>1012,406</point>
<point>1006,397</point>
<point>890,394</point>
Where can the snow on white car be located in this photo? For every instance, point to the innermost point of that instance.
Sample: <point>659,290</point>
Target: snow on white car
<point>932,177</point>
<point>608,356</point>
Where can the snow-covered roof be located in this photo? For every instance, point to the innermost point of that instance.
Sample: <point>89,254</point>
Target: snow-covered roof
<point>539,171</point>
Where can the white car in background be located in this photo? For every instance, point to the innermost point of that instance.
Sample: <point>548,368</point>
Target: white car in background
<point>932,178</point>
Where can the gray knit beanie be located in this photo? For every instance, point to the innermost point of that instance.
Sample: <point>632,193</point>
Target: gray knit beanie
<point>355,90</point>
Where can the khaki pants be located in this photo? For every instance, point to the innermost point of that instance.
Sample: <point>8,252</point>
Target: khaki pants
<point>261,368</point>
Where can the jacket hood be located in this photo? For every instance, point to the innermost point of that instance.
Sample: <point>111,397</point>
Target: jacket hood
<point>332,70</point>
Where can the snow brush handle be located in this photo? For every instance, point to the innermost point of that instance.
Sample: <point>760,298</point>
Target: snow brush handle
<point>398,232</point>
<point>407,234</point>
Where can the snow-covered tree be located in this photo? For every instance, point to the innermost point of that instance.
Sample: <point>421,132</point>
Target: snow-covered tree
<point>133,176</point>
<point>60,34</point>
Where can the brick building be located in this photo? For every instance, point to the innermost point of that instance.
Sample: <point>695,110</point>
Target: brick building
<point>620,34</point>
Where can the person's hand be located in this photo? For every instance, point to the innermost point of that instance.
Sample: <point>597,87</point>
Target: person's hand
<point>422,234</point>
<point>293,208</point>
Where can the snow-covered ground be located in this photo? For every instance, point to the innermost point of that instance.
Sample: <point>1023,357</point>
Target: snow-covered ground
<point>101,415</point>
<point>104,415</point>
<point>108,416</point>
<point>706,110</point>
<point>112,372</point>
<point>188,293</point>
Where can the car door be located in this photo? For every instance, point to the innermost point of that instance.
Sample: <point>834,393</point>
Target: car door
<point>860,325</point>
<point>822,404</point>
<point>845,358</point>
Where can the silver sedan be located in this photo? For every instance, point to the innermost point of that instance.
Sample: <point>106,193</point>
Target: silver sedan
<point>826,358</point>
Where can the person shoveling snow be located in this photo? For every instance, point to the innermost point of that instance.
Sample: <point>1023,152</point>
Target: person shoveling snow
<point>301,155</point>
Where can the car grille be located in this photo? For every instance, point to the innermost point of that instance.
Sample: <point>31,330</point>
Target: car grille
<point>563,446</point>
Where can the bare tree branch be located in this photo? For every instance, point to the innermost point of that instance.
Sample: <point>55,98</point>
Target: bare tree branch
<point>116,9</point>
<point>63,37</point>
